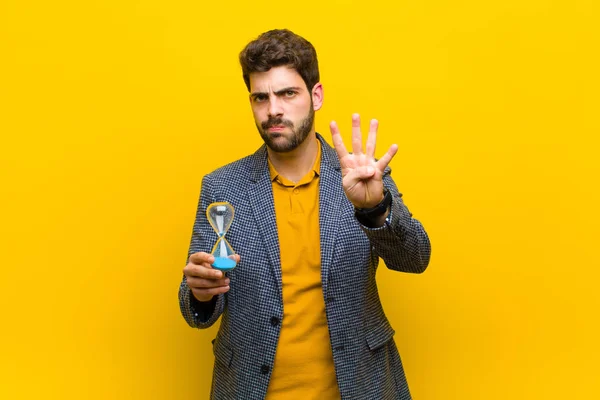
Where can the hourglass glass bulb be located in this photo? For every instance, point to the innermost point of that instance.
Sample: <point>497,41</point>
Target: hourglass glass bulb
<point>221,210</point>
<point>220,216</point>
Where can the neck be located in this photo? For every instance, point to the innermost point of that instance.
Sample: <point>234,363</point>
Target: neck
<point>294,164</point>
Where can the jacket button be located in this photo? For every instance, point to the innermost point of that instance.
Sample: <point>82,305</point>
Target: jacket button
<point>274,321</point>
<point>264,369</point>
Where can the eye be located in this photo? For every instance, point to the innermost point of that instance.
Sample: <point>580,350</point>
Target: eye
<point>259,98</point>
<point>290,93</point>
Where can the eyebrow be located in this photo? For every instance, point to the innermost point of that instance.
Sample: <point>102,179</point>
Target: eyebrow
<point>277,93</point>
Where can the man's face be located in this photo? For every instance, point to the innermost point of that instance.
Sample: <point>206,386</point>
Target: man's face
<point>282,107</point>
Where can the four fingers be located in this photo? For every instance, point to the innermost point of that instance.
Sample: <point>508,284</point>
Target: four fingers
<point>357,148</point>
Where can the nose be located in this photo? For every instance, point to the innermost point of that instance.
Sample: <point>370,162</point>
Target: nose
<point>275,107</point>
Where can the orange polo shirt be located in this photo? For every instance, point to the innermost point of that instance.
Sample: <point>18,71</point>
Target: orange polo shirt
<point>303,367</point>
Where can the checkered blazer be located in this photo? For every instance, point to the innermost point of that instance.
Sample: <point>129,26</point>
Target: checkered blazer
<point>366,359</point>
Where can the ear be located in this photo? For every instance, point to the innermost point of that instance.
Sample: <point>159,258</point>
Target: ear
<point>317,96</point>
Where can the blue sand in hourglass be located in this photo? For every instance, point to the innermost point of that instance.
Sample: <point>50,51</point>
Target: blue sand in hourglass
<point>223,263</point>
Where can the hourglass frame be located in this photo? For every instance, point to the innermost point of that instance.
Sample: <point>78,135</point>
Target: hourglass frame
<point>220,216</point>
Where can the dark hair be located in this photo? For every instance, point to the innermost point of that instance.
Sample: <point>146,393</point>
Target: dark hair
<point>279,47</point>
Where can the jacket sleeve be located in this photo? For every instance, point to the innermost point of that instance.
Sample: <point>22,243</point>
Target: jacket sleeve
<point>401,242</point>
<point>197,314</point>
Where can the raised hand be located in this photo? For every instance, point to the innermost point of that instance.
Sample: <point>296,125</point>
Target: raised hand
<point>362,174</point>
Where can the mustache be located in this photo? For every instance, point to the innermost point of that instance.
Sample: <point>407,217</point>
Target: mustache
<point>276,122</point>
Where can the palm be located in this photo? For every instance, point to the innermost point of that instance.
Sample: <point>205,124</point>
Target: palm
<point>361,192</point>
<point>362,175</point>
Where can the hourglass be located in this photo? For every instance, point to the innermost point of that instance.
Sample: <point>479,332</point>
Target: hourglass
<point>220,216</point>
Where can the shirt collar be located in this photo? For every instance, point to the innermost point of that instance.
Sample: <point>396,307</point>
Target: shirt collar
<point>315,171</point>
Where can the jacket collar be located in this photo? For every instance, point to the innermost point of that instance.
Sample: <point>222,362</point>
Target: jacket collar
<point>261,171</point>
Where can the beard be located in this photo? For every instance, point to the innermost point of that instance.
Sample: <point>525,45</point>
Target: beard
<point>298,135</point>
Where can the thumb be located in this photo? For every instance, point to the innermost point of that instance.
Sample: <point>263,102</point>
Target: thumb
<point>359,174</point>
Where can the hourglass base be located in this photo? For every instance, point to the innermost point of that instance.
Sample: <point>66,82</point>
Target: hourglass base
<point>224,263</point>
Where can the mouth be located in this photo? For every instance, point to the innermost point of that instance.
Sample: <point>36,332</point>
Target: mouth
<point>276,128</point>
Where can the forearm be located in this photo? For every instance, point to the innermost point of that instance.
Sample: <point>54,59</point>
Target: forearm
<point>198,314</point>
<point>400,240</point>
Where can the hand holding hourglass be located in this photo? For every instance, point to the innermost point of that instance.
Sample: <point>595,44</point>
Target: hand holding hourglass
<point>205,273</point>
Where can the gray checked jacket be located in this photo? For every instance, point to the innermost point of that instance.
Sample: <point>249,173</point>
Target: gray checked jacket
<point>367,363</point>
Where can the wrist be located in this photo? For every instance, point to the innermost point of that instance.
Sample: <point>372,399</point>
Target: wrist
<point>379,209</point>
<point>375,216</point>
<point>202,299</point>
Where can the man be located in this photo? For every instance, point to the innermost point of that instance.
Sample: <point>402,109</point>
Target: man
<point>301,316</point>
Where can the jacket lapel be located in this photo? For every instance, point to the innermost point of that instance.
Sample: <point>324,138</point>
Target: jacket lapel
<point>331,195</point>
<point>260,194</point>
